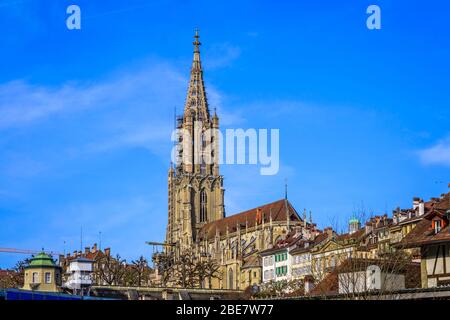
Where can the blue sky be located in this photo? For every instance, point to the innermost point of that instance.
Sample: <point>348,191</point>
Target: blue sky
<point>86,115</point>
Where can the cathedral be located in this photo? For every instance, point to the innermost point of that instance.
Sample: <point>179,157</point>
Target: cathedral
<point>196,214</point>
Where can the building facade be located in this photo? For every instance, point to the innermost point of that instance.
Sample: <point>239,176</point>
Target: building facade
<point>196,193</point>
<point>42,274</point>
<point>80,275</point>
<point>431,237</point>
<point>196,213</point>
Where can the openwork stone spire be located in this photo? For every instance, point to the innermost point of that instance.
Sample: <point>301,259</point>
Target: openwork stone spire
<point>196,193</point>
<point>196,102</point>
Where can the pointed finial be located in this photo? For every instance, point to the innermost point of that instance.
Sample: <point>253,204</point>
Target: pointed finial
<point>285,189</point>
<point>304,218</point>
<point>196,43</point>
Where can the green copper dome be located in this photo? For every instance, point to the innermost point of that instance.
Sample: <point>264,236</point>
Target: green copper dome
<point>354,220</point>
<point>42,260</point>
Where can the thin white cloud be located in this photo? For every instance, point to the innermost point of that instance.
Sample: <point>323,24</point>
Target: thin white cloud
<point>131,108</point>
<point>438,154</point>
<point>22,103</point>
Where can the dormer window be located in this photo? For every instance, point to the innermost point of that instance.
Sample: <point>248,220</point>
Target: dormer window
<point>437,226</point>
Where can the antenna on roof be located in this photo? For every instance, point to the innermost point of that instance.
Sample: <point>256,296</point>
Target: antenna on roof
<point>100,240</point>
<point>81,239</point>
<point>285,189</point>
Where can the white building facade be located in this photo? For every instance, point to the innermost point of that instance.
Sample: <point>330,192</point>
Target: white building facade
<point>277,266</point>
<point>79,274</point>
<point>371,279</point>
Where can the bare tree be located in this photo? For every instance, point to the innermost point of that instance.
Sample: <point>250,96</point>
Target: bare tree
<point>211,268</point>
<point>140,271</point>
<point>110,270</point>
<point>164,266</point>
<point>363,278</point>
<point>185,270</point>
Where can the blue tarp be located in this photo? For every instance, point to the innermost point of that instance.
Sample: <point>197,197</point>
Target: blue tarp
<point>17,294</point>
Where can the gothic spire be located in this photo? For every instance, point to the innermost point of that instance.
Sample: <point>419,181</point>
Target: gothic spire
<point>196,101</point>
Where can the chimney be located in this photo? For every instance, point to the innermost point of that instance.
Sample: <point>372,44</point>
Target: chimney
<point>75,253</point>
<point>416,202</point>
<point>108,251</point>
<point>329,232</point>
<point>421,208</point>
<point>369,227</point>
<point>94,248</point>
<point>86,250</point>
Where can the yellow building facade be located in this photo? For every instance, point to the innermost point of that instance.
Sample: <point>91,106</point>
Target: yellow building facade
<point>42,274</point>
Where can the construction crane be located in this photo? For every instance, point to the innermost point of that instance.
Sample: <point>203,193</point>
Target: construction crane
<point>25,251</point>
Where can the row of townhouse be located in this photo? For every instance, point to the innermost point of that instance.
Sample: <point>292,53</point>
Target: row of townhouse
<point>420,233</point>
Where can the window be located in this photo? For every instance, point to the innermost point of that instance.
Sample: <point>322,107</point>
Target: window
<point>203,206</point>
<point>280,257</point>
<point>333,261</point>
<point>281,271</point>
<point>268,261</point>
<point>203,166</point>
<point>35,278</point>
<point>437,226</point>
<point>268,274</point>
<point>48,277</point>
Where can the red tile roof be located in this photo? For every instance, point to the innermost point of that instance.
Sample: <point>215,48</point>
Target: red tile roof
<point>292,238</point>
<point>301,248</point>
<point>351,236</point>
<point>423,234</point>
<point>5,273</point>
<point>275,209</point>
<point>253,261</point>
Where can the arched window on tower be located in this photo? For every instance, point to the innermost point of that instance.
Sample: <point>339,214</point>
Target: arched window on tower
<point>203,206</point>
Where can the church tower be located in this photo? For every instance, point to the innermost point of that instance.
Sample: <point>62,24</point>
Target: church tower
<point>196,193</point>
